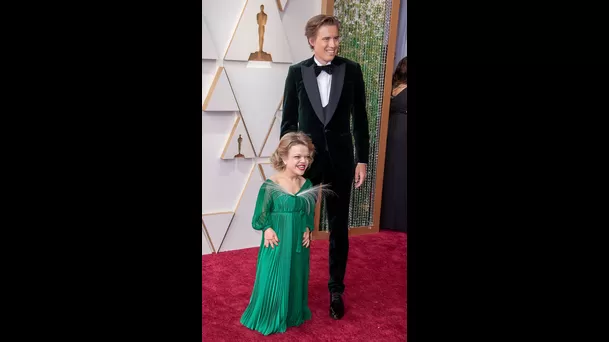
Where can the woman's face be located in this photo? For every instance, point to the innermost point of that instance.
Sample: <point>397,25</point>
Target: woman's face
<point>298,159</point>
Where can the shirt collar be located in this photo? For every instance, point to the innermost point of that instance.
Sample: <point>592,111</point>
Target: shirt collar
<point>318,63</point>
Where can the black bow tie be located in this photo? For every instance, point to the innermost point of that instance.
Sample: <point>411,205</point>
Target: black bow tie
<point>326,68</point>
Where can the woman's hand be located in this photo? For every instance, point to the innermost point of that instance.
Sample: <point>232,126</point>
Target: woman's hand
<point>306,238</point>
<point>270,238</point>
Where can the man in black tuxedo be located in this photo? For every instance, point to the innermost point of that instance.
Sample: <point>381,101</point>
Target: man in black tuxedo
<point>321,94</point>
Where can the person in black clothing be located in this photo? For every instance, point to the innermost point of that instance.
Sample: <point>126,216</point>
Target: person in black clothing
<point>393,207</point>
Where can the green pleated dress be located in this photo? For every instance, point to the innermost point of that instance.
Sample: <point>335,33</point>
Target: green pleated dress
<point>280,295</point>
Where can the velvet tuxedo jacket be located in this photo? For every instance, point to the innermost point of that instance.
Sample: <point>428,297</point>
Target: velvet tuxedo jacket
<point>331,134</point>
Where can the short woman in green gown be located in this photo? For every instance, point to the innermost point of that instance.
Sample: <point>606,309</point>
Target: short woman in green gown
<point>285,209</point>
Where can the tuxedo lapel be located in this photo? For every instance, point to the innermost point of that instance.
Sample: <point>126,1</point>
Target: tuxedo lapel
<point>338,78</point>
<point>310,82</point>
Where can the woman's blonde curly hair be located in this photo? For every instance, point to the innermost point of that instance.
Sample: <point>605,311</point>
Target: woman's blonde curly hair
<point>286,142</point>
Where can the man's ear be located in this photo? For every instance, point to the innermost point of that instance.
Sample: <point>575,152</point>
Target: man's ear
<point>311,42</point>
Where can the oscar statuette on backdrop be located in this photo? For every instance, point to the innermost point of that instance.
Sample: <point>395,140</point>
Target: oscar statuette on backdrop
<point>260,55</point>
<point>239,141</point>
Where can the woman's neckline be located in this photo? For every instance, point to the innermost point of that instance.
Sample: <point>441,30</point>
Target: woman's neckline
<point>287,192</point>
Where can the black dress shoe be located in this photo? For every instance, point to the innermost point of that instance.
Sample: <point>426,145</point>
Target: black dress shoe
<point>337,308</point>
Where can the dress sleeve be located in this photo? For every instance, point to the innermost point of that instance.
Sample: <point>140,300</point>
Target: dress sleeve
<point>309,215</point>
<point>262,212</point>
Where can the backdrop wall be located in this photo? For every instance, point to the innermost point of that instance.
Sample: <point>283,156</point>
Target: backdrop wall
<point>242,108</point>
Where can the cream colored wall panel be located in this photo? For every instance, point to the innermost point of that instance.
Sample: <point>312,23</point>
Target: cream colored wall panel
<point>222,180</point>
<point>245,43</point>
<point>220,96</point>
<point>272,139</point>
<point>205,242</point>
<point>267,170</point>
<point>222,17</point>
<point>240,233</point>
<point>210,86</point>
<point>208,48</point>
<point>258,93</point>
<point>294,19</point>
<point>238,144</point>
<point>217,225</point>
<point>281,4</point>
<point>210,73</point>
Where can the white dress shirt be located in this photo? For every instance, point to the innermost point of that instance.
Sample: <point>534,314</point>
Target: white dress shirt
<point>324,83</point>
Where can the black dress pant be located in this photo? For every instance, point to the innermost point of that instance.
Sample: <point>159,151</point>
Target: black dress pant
<point>337,208</point>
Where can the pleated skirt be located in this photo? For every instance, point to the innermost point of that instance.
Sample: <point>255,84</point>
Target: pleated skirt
<point>280,295</point>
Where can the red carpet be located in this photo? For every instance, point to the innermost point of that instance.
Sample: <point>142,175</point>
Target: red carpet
<point>375,293</point>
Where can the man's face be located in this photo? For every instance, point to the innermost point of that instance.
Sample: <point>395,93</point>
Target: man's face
<point>325,45</point>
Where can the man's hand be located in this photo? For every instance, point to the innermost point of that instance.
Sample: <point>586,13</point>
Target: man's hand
<point>360,174</point>
<point>306,238</point>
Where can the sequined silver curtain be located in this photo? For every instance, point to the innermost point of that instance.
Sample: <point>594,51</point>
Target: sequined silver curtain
<point>364,37</point>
